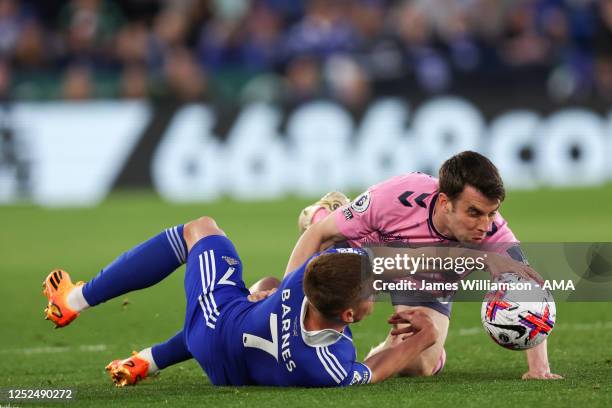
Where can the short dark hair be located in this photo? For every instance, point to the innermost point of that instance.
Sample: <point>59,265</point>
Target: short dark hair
<point>474,169</point>
<point>336,281</point>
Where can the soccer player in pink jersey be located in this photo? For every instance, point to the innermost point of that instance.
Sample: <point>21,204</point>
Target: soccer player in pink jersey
<point>461,206</point>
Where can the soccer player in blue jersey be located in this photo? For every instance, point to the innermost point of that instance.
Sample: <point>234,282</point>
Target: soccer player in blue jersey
<point>297,335</point>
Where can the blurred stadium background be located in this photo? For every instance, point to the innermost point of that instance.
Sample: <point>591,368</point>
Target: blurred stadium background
<point>297,50</point>
<point>119,118</point>
<point>257,99</point>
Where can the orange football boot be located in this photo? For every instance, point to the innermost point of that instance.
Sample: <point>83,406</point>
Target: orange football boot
<point>128,371</point>
<point>56,288</point>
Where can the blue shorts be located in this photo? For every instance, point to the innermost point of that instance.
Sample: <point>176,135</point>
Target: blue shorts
<point>213,286</point>
<point>412,299</point>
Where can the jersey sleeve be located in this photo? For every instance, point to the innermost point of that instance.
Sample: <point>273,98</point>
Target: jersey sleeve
<point>336,366</point>
<point>358,374</point>
<point>358,218</point>
<point>384,207</point>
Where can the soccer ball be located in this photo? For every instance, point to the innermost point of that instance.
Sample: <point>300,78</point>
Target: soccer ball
<point>520,314</point>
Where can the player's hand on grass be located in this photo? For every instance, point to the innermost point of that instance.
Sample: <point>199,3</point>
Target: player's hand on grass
<point>261,295</point>
<point>541,375</point>
<point>498,265</point>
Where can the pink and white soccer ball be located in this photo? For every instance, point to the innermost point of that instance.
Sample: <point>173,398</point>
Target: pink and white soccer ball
<point>518,319</point>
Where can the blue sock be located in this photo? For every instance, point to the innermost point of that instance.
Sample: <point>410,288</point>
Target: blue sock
<point>139,268</point>
<point>171,352</point>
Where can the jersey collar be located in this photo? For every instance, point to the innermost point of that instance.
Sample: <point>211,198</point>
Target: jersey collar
<point>432,227</point>
<point>318,338</point>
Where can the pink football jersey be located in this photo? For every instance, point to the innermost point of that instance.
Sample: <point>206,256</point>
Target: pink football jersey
<point>400,210</point>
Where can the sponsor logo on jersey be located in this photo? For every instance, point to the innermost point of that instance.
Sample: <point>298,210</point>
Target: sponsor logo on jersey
<point>230,261</point>
<point>393,238</point>
<point>348,214</point>
<point>361,203</point>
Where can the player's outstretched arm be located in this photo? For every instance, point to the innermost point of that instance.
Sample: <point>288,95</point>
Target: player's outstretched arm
<point>319,235</point>
<point>421,334</point>
<point>537,359</point>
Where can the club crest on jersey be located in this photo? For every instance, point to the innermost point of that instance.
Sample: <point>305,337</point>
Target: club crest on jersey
<point>359,379</point>
<point>361,203</point>
<point>230,261</point>
<point>356,378</point>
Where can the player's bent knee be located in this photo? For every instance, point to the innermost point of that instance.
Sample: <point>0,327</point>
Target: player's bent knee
<point>422,370</point>
<point>266,283</point>
<point>427,364</point>
<point>200,228</point>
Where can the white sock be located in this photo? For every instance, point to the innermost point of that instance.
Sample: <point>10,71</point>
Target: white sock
<point>147,355</point>
<point>76,300</point>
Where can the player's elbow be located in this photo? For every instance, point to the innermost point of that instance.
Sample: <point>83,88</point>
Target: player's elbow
<point>319,235</point>
<point>310,242</point>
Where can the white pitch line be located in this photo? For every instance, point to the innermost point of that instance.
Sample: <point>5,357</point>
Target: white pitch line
<point>470,331</point>
<point>91,348</point>
<point>465,331</point>
<point>605,325</point>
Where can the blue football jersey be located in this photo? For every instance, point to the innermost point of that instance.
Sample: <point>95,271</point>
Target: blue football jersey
<point>265,342</point>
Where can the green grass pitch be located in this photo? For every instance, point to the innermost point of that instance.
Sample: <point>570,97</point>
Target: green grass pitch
<point>478,372</point>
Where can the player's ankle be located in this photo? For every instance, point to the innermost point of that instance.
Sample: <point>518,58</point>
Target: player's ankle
<point>147,355</point>
<point>76,301</point>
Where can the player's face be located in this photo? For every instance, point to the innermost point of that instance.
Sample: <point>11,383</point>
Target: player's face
<point>470,216</point>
